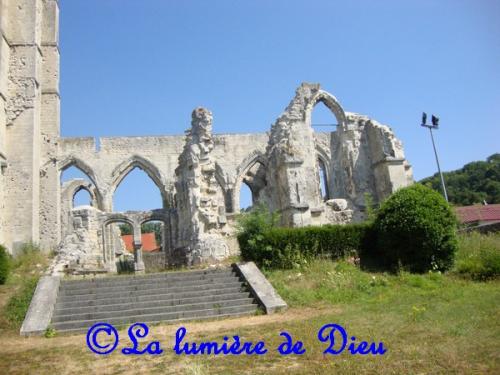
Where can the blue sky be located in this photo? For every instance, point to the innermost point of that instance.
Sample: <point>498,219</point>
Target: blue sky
<point>140,67</point>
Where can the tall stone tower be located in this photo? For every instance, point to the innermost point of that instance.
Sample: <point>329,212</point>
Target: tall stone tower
<point>29,122</point>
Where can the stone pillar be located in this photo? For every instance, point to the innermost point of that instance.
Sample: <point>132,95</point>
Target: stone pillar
<point>4,71</point>
<point>29,122</point>
<point>200,199</point>
<point>138,262</point>
<point>50,210</point>
<point>23,119</point>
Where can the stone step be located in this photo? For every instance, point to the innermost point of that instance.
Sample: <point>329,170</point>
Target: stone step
<point>124,292</point>
<point>142,298</point>
<point>83,325</point>
<point>84,329</point>
<point>149,285</point>
<point>132,280</point>
<point>171,300</point>
<point>138,310</point>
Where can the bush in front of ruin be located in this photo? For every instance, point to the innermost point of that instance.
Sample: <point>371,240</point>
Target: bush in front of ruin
<point>292,247</point>
<point>270,246</point>
<point>252,229</point>
<point>416,230</point>
<point>4,265</point>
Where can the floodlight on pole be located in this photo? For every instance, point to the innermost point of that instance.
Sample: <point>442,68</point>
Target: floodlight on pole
<point>435,125</point>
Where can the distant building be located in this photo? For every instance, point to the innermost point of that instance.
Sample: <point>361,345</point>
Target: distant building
<point>149,244</point>
<point>479,214</point>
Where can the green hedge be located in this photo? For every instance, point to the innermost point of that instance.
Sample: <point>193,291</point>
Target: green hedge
<point>290,247</point>
<point>414,228</point>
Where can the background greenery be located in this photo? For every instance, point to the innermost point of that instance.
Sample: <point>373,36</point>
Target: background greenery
<point>473,183</point>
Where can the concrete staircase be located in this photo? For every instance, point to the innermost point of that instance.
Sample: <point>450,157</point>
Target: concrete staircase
<point>162,297</point>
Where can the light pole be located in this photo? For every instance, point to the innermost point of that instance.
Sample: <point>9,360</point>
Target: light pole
<point>435,125</point>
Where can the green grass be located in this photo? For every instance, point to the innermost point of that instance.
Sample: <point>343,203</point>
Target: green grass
<point>478,256</point>
<point>430,323</point>
<point>18,305</point>
<point>27,268</point>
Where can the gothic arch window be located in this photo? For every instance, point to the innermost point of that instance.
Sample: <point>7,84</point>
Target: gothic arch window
<point>76,175</point>
<point>75,168</point>
<point>327,110</point>
<point>145,181</point>
<point>136,191</point>
<point>250,184</point>
<point>82,197</point>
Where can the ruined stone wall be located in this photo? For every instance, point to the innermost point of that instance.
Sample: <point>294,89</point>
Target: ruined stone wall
<point>200,175</point>
<point>158,157</point>
<point>361,157</point>
<point>281,167</point>
<point>29,122</point>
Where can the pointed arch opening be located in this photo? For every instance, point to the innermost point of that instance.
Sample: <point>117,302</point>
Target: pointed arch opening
<point>138,166</point>
<point>327,111</point>
<point>136,191</point>
<point>325,116</point>
<point>322,118</point>
<point>250,185</point>
<point>78,184</point>
<point>73,168</point>
<point>82,197</point>
<point>73,172</point>
<point>246,197</point>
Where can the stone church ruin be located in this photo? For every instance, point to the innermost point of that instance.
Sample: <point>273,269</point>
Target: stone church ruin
<point>199,174</point>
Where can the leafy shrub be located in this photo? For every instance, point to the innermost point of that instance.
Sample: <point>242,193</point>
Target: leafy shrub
<point>478,256</point>
<point>251,228</point>
<point>5,265</point>
<point>416,229</point>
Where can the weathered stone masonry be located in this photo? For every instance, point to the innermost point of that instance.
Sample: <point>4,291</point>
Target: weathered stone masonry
<point>29,122</point>
<point>199,175</point>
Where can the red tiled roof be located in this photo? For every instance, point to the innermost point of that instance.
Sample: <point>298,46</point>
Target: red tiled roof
<point>470,214</point>
<point>148,242</point>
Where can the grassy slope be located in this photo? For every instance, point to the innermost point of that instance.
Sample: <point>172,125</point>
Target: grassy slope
<point>15,295</point>
<point>430,324</point>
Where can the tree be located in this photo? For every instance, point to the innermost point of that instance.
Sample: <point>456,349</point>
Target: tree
<point>416,229</point>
